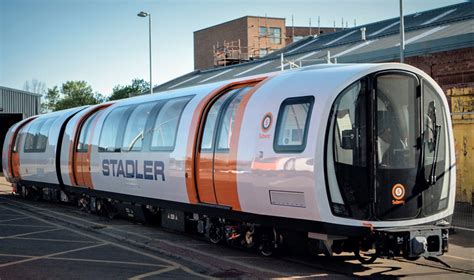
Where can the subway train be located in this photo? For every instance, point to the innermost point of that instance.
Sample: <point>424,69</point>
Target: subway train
<point>333,158</point>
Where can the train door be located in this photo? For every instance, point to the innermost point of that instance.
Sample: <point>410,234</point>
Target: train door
<point>396,145</point>
<point>217,148</point>
<point>81,149</point>
<point>13,155</point>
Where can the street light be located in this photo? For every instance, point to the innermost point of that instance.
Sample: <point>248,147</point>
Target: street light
<point>145,14</point>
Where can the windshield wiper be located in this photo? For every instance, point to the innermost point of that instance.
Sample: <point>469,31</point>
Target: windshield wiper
<point>432,178</point>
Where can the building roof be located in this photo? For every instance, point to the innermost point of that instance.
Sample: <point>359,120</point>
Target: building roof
<point>13,90</point>
<point>432,31</point>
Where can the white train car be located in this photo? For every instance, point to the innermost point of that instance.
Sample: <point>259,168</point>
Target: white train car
<point>352,156</point>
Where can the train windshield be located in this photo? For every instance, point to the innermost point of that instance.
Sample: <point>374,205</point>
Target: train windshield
<point>397,170</point>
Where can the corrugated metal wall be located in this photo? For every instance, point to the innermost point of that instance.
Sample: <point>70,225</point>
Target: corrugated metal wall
<point>19,101</point>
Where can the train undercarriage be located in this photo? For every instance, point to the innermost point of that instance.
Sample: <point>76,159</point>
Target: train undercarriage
<point>409,243</point>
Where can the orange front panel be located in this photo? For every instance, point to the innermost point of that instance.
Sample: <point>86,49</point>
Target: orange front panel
<point>86,169</point>
<point>78,169</point>
<point>225,181</point>
<point>204,178</point>
<point>15,165</point>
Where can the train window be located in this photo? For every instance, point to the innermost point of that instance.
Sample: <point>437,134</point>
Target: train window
<point>18,139</point>
<point>37,136</point>
<point>135,129</point>
<point>227,121</point>
<point>349,119</point>
<point>436,151</point>
<point>85,132</point>
<point>42,136</point>
<point>292,124</point>
<point>396,121</point>
<point>346,157</point>
<point>166,124</point>
<point>31,135</point>
<point>211,121</point>
<point>110,130</point>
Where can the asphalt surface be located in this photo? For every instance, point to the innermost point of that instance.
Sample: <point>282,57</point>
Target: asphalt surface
<point>40,240</point>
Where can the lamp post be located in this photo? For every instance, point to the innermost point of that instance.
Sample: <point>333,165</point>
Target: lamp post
<point>145,14</point>
<point>402,34</point>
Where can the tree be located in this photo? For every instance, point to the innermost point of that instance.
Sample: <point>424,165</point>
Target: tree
<point>73,94</point>
<point>35,86</point>
<point>50,100</point>
<point>138,87</point>
<point>38,87</point>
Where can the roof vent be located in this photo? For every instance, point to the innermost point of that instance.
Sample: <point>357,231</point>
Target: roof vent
<point>362,34</point>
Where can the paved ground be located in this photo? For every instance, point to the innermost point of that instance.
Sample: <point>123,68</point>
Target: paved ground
<point>51,241</point>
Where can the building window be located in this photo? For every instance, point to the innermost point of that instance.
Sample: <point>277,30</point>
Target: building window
<point>275,35</point>
<point>262,31</point>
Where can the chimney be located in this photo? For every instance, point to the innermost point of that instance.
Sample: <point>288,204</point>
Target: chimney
<point>362,34</point>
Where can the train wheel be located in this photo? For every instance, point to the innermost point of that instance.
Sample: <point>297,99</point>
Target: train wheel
<point>215,232</point>
<point>366,257</point>
<point>268,242</point>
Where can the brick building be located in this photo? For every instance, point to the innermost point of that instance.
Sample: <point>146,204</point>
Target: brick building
<point>245,39</point>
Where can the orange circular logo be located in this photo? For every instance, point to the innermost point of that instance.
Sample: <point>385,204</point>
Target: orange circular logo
<point>398,191</point>
<point>267,122</point>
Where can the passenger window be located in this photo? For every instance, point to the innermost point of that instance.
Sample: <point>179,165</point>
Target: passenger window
<point>37,136</point>
<point>227,123</point>
<point>292,124</point>
<point>18,138</point>
<point>166,124</point>
<point>31,135</point>
<point>42,136</point>
<point>349,126</point>
<point>85,133</point>
<point>211,121</point>
<point>110,130</point>
<point>135,130</point>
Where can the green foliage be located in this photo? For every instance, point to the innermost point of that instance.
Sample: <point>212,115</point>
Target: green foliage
<point>50,99</point>
<point>138,87</point>
<point>73,94</point>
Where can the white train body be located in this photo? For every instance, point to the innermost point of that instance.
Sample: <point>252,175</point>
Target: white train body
<point>279,155</point>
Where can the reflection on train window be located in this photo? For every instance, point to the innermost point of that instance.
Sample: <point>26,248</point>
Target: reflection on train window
<point>436,157</point>
<point>166,124</point>
<point>18,139</point>
<point>211,121</point>
<point>37,136</point>
<point>110,129</point>
<point>349,138</point>
<point>396,121</point>
<point>85,133</point>
<point>228,121</point>
<point>135,129</point>
<point>292,124</point>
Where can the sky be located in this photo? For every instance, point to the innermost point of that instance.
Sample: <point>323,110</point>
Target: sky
<point>104,43</point>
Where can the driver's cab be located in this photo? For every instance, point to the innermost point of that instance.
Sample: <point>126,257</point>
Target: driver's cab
<point>390,126</point>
